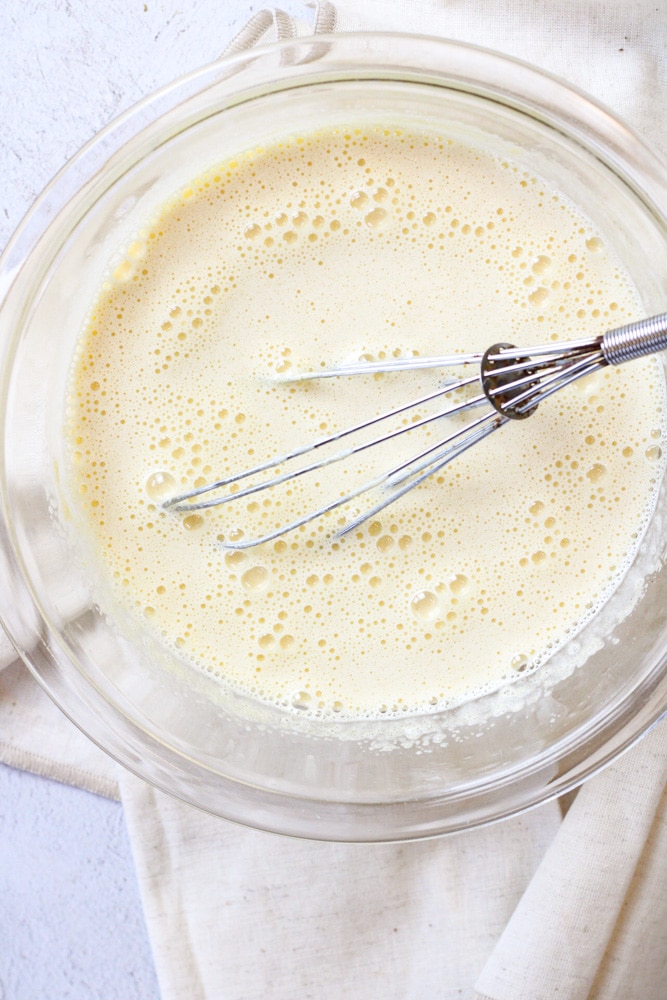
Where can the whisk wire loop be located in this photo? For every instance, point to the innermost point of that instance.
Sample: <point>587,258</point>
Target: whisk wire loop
<point>183,501</point>
<point>513,380</point>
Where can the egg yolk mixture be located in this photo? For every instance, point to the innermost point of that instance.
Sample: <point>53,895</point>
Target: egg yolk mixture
<point>347,244</point>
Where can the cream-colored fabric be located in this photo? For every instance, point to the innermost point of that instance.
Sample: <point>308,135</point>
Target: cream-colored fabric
<point>531,909</point>
<point>592,924</point>
<point>35,736</point>
<point>236,914</point>
<point>615,50</point>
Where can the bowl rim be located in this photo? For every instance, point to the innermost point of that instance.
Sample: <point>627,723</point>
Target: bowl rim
<point>621,148</point>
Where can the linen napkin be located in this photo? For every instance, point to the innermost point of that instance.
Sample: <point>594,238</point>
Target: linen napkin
<point>235,913</point>
<point>593,922</point>
<point>615,50</point>
<point>34,735</point>
<point>530,909</point>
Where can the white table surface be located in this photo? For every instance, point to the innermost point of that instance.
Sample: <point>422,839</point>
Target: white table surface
<point>71,923</point>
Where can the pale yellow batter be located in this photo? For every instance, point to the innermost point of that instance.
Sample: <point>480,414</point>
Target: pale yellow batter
<point>325,248</point>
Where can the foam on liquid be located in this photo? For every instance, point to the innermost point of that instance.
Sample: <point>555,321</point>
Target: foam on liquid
<point>330,247</point>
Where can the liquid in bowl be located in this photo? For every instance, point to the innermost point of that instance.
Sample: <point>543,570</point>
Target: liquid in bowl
<point>363,240</point>
<point>306,770</point>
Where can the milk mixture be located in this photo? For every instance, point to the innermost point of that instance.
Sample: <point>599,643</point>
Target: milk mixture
<point>330,247</point>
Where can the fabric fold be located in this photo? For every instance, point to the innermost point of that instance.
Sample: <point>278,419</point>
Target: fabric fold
<point>35,736</point>
<point>240,913</point>
<point>593,918</point>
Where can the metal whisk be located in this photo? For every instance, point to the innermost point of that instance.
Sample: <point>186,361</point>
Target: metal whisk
<point>514,381</point>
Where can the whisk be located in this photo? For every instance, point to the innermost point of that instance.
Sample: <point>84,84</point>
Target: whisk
<point>513,382</point>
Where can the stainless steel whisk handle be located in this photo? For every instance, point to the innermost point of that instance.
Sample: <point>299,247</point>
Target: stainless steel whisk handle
<point>635,340</point>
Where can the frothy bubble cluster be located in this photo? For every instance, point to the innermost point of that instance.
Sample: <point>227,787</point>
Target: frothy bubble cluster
<point>346,244</point>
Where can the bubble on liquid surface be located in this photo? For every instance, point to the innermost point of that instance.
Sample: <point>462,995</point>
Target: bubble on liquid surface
<point>542,265</point>
<point>539,296</point>
<point>359,199</point>
<point>137,250</point>
<point>255,579</point>
<point>425,606</point>
<point>376,219</point>
<point>193,522</point>
<point>123,272</point>
<point>160,485</point>
<point>596,473</point>
<point>459,584</point>
<point>594,244</point>
<point>235,559</point>
<point>302,700</point>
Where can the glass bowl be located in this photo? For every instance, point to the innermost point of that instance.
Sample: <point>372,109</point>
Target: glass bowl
<point>182,730</point>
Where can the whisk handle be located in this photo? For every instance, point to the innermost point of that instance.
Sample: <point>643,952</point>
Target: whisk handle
<point>635,340</point>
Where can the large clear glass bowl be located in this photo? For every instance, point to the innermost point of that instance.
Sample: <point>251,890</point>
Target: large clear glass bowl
<point>179,729</point>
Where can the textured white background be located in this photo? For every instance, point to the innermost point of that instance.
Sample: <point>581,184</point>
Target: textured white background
<point>71,924</point>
